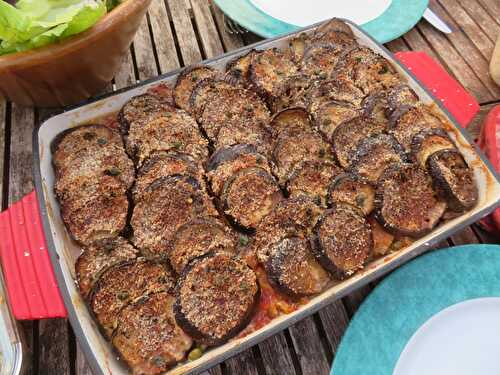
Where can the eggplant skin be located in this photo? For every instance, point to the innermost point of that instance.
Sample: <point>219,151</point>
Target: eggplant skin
<point>428,142</point>
<point>342,240</point>
<point>187,81</point>
<point>228,154</point>
<point>453,179</point>
<point>294,270</point>
<point>216,296</point>
<point>406,203</point>
<point>352,189</point>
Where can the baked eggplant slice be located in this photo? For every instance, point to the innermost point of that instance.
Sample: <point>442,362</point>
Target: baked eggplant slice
<point>405,125</point>
<point>164,93</point>
<point>166,205</point>
<point>249,195</point>
<point>187,81</point>
<point>376,106</point>
<point>291,120</point>
<point>348,135</point>
<point>312,178</point>
<point>68,144</point>
<point>293,217</point>
<point>139,109</point>
<point>97,258</point>
<point>199,237</point>
<point>173,131</point>
<point>269,73</point>
<point>349,59</point>
<point>378,74</point>
<point>406,203</point>
<point>125,283</point>
<point>295,92</point>
<point>331,114</point>
<point>164,164</point>
<point>96,211</point>
<point>401,95</point>
<point>298,47</point>
<point>228,161</point>
<point>453,179</point>
<point>251,133</point>
<point>293,269</point>
<point>374,155</point>
<point>342,240</point>
<point>148,337</point>
<point>238,70</point>
<point>428,142</point>
<point>319,60</point>
<point>203,93</point>
<point>292,149</point>
<point>233,108</point>
<point>351,189</point>
<point>215,298</point>
<point>338,89</point>
<point>324,32</point>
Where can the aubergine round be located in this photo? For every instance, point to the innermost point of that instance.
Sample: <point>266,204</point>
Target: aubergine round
<point>376,106</point>
<point>293,269</point>
<point>338,88</point>
<point>331,27</point>
<point>238,70</point>
<point>352,189</point>
<point>428,142</point>
<point>453,179</point>
<point>249,195</point>
<point>292,120</point>
<point>401,95</point>
<point>229,154</point>
<point>406,203</point>
<point>331,114</point>
<point>342,240</point>
<point>123,283</point>
<point>203,93</point>
<point>297,47</point>
<point>215,298</point>
<point>320,59</point>
<point>148,337</point>
<point>374,155</point>
<point>378,75</point>
<point>199,237</point>
<point>187,81</point>
<point>139,109</point>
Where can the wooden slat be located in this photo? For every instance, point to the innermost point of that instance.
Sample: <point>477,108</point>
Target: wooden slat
<point>335,320</point>
<point>54,347</point>
<point>3,125</point>
<point>163,37</point>
<point>417,43</point>
<point>243,363</point>
<point>484,19</point>
<point>310,352</point>
<point>455,61</point>
<point>465,236</point>
<point>185,33</point>
<point>230,41</point>
<point>492,7</point>
<point>126,74</point>
<point>397,45</point>
<point>354,299</point>
<point>210,40</point>
<point>276,355</point>
<point>144,55</point>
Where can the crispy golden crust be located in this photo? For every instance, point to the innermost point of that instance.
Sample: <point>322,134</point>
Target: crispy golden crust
<point>164,164</point>
<point>353,190</point>
<point>412,121</point>
<point>292,268</point>
<point>331,114</point>
<point>319,60</point>
<point>347,137</point>
<point>67,145</point>
<point>401,95</point>
<point>168,203</point>
<point>290,120</point>
<point>97,211</point>
<point>139,109</point>
<point>249,195</point>
<point>172,131</point>
<point>230,160</point>
<point>199,237</point>
<point>312,178</point>
<point>204,92</point>
<point>291,217</point>
<point>292,149</point>
<point>241,133</point>
<point>216,296</point>
<point>186,82</point>
<point>97,258</point>
<point>453,179</point>
<point>379,74</point>
<point>343,240</point>
<point>125,283</point>
<point>374,155</point>
<point>428,142</point>
<point>405,201</point>
<point>148,337</point>
<point>338,89</point>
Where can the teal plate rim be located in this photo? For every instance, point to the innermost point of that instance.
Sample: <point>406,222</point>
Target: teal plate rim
<point>408,298</point>
<point>399,18</point>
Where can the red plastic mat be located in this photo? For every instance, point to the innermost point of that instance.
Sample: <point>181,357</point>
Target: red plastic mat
<point>29,277</point>
<point>31,285</point>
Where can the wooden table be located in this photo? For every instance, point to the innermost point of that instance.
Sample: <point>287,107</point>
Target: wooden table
<point>182,32</point>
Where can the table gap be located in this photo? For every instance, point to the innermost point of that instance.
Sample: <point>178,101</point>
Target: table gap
<point>6,161</point>
<point>293,353</point>
<point>197,35</point>
<point>322,336</point>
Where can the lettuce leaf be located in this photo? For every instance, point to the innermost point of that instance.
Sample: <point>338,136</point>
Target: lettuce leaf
<point>35,23</point>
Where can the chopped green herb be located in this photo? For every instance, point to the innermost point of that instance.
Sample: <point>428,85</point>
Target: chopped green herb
<point>159,361</point>
<point>113,172</point>
<point>383,70</point>
<point>244,240</point>
<point>102,141</point>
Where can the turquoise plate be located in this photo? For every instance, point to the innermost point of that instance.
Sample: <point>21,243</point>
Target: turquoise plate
<point>398,18</point>
<point>408,298</point>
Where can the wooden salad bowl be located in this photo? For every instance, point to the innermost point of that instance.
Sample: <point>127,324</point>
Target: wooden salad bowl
<point>73,70</point>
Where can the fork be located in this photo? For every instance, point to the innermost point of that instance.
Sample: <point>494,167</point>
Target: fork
<point>233,27</point>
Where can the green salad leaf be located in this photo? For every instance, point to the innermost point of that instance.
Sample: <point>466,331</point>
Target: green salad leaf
<point>35,23</point>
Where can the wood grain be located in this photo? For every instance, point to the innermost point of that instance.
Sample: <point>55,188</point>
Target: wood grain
<point>186,38</point>
<point>335,320</point>
<point>230,41</point>
<point>126,74</point>
<point>243,363</point>
<point>54,347</point>
<point>276,355</point>
<point>210,41</point>
<point>482,18</point>
<point>144,54</point>
<point>397,45</point>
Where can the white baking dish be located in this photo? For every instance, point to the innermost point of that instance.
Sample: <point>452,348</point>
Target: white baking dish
<point>99,352</point>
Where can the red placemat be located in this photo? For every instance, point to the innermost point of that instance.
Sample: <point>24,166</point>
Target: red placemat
<point>31,285</point>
